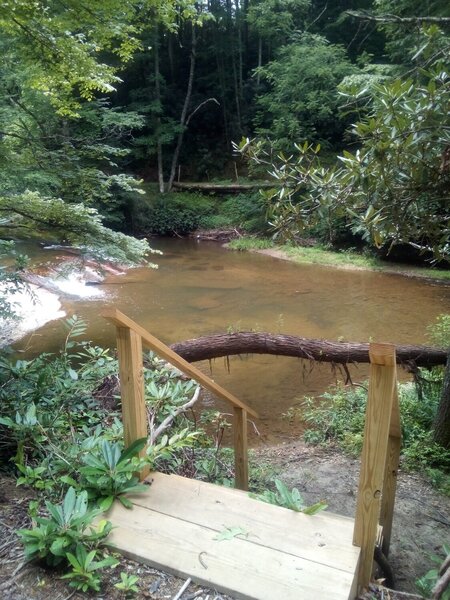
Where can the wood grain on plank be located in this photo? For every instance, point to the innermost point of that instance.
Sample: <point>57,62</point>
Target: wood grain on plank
<point>324,538</point>
<point>248,571</point>
<point>382,382</point>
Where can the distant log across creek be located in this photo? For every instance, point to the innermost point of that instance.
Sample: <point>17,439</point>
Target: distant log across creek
<point>215,346</point>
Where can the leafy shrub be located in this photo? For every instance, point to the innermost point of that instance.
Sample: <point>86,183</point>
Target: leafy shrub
<point>247,211</point>
<point>127,584</point>
<point>439,331</point>
<point>109,473</point>
<point>166,214</point>
<point>286,498</point>
<point>84,575</point>
<point>426,583</point>
<point>64,530</point>
<point>338,416</point>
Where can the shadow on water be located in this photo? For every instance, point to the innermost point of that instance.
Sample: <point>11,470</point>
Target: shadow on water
<point>200,289</point>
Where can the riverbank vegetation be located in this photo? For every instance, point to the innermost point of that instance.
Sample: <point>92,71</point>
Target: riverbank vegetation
<point>61,433</point>
<point>321,255</point>
<point>99,107</point>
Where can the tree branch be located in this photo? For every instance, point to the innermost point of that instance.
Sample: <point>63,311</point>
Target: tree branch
<point>389,18</point>
<point>199,107</point>
<point>155,433</point>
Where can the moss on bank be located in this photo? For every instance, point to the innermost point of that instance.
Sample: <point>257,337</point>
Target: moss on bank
<point>345,259</point>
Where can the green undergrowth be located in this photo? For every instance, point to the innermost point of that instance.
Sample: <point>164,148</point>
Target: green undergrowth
<point>350,259</point>
<point>337,417</point>
<point>61,435</point>
<point>250,243</point>
<point>181,213</point>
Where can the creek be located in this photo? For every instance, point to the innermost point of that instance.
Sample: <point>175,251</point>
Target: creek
<point>200,288</point>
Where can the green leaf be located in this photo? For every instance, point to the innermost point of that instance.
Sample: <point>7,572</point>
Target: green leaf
<point>125,502</point>
<point>69,504</point>
<point>73,374</point>
<point>133,449</point>
<point>315,508</point>
<point>106,503</point>
<point>231,532</point>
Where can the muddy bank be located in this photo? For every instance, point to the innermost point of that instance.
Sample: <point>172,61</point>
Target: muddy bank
<point>394,269</point>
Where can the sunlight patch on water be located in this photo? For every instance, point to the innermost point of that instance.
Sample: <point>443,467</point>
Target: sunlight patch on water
<point>74,284</point>
<point>34,308</point>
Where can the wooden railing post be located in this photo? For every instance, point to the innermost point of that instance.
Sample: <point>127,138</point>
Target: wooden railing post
<point>240,448</point>
<point>390,474</point>
<point>382,383</point>
<point>134,410</point>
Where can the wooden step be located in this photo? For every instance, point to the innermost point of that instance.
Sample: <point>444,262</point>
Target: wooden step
<point>282,554</point>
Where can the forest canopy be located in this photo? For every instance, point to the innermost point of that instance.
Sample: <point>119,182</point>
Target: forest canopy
<point>99,98</point>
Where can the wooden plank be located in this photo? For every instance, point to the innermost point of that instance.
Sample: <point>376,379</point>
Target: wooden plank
<point>134,410</point>
<point>382,381</point>
<point>324,538</point>
<point>390,474</point>
<point>235,566</point>
<point>240,448</point>
<point>121,320</point>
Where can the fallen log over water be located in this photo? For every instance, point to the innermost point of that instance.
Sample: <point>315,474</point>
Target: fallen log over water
<point>215,346</point>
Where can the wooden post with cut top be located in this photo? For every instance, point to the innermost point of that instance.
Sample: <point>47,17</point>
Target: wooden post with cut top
<point>380,402</point>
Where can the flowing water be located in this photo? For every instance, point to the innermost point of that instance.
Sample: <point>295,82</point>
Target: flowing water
<point>201,288</point>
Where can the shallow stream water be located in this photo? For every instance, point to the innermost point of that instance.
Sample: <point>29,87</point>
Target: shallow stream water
<point>201,288</point>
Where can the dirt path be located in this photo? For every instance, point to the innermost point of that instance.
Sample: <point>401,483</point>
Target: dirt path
<point>421,526</point>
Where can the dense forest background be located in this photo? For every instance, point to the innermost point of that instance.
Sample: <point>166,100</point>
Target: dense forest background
<point>100,101</point>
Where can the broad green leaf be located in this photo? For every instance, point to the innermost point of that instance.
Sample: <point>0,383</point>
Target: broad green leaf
<point>229,533</point>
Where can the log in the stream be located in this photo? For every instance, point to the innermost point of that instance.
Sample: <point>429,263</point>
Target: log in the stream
<point>215,346</point>
<point>225,188</point>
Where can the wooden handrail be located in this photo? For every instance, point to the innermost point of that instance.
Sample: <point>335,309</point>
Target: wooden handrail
<point>130,339</point>
<point>150,341</point>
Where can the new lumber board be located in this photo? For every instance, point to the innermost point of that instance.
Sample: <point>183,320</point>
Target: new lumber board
<point>246,571</point>
<point>324,538</point>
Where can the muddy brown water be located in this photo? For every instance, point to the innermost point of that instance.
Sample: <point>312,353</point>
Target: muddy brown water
<point>200,288</point>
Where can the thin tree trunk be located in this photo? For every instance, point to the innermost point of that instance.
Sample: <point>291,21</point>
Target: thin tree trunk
<point>441,428</point>
<point>240,49</point>
<point>158,120</point>
<point>258,76</point>
<point>214,346</point>
<point>236,90</point>
<point>184,111</point>
<point>220,71</point>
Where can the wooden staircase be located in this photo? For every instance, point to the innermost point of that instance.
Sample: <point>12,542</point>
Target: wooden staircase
<point>272,553</point>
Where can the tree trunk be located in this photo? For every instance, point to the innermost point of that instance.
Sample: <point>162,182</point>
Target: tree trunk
<point>441,427</point>
<point>258,76</point>
<point>214,346</point>
<point>158,120</point>
<point>184,111</point>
